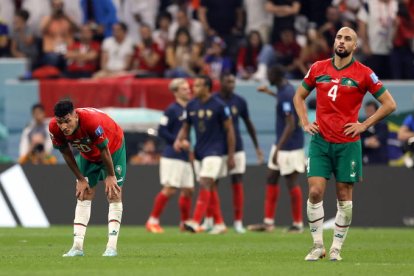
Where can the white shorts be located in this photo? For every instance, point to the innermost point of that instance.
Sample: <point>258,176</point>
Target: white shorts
<point>239,161</point>
<point>210,167</point>
<point>176,173</point>
<point>289,161</point>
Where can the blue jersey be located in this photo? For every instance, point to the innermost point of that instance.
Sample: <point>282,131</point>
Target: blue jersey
<point>170,125</point>
<point>285,108</point>
<point>238,108</point>
<point>208,120</point>
<point>409,122</point>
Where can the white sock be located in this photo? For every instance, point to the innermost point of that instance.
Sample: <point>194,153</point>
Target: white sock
<point>114,223</point>
<point>342,222</point>
<point>238,224</point>
<point>315,219</point>
<point>82,215</point>
<point>269,221</point>
<point>208,222</point>
<point>152,220</point>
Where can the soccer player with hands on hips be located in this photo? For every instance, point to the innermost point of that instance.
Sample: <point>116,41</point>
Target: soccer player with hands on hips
<point>213,125</point>
<point>175,168</point>
<point>341,83</point>
<point>101,144</point>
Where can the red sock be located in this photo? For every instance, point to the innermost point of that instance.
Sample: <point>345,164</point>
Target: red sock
<point>296,203</point>
<point>272,194</point>
<point>215,203</point>
<point>210,208</point>
<point>201,205</point>
<point>185,206</point>
<point>159,204</point>
<point>238,200</point>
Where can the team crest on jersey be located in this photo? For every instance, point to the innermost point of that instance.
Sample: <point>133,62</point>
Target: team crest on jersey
<point>118,169</point>
<point>201,113</point>
<point>234,110</point>
<point>374,78</point>
<point>99,131</point>
<point>209,113</point>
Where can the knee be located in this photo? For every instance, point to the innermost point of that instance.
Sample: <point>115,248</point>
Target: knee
<point>169,191</point>
<point>272,177</point>
<point>187,192</point>
<point>236,178</point>
<point>315,194</point>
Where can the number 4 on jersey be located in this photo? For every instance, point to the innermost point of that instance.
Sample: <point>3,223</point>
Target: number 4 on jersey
<point>333,92</point>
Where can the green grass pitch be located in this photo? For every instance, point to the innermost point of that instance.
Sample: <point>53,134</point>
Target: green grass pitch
<point>366,252</point>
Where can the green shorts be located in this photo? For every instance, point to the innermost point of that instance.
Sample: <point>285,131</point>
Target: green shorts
<point>97,171</point>
<point>344,160</point>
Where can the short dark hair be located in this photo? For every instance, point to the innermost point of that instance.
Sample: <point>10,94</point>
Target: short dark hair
<point>63,107</point>
<point>372,103</point>
<point>226,75</point>
<point>123,26</point>
<point>24,14</point>
<point>207,81</point>
<point>38,106</point>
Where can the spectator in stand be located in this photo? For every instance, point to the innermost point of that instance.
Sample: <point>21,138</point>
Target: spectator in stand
<point>22,40</point>
<point>101,14</point>
<point>348,10</point>
<point>332,24</point>
<point>316,48</point>
<point>287,52</point>
<point>284,12</point>
<point>148,154</point>
<point>39,126</point>
<point>315,11</point>
<point>376,20</point>
<point>160,35</point>
<point>254,59</point>
<point>137,12</point>
<point>183,56</point>
<point>257,18</point>
<point>402,55</point>
<point>7,10</point>
<point>58,33</point>
<point>374,139</point>
<point>148,58</point>
<point>4,39</point>
<point>215,62</point>
<point>183,21</point>
<point>37,154</point>
<point>117,52</point>
<point>83,56</point>
<point>223,19</point>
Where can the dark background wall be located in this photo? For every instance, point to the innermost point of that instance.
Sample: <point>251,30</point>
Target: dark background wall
<point>384,198</point>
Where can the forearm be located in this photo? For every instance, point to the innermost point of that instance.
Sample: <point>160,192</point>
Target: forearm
<point>286,134</point>
<point>183,133</point>
<point>231,141</point>
<point>301,110</point>
<point>252,132</point>
<point>70,161</point>
<point>107,160</point>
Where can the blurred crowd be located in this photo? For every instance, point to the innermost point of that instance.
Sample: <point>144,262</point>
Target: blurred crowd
<point>182,38</point>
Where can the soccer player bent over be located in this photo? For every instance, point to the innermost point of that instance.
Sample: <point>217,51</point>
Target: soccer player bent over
<point>341,83</point>
<point>287,157</point>
<point>213,125</point>
<point>101,144</point>
<point>175,169</point>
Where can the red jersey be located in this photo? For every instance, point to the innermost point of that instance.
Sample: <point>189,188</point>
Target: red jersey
<point>96,130</point>
<point>339,95</point>
<point>86,66</point>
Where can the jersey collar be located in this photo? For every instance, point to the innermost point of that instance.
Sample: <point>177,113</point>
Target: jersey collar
<point>346,66</point>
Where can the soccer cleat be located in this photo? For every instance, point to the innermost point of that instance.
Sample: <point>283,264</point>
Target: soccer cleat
<point>262,227</point>
<point>207,225</point>
<point>317,252</point>
<point>218,229</point>
<point>295,229</point>
<point>335,254</point>
<point>192,226</point>
<point>239,229</point>
<point>74,252</point>
<point>154,228</point>
<point>110,252</point>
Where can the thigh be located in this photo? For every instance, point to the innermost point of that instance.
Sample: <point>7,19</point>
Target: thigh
<point>211,167</point>
<point>348,162</point>
<point>240,163</point>
<point>90,170</point>
<point>270,164</point>
<point>291,161</point>
<point>319,161</point>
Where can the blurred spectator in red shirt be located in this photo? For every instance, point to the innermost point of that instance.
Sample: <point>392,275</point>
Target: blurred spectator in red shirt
<point>287,52</point>
<point>402,55</point>
<point>83,55</point>
<point>160,35</point>
<point>148,58</point>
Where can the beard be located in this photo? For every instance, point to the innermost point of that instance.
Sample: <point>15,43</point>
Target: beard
<point>343,54</point>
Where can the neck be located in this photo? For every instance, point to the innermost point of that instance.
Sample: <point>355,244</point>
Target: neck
<point>280,84</point>
<point>182,102</point>
<point>341,62</point>
<point>205,97</point>
<point>225,94</point>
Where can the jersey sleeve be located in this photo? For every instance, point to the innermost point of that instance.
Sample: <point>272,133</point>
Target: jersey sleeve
<point>309,81</point>
<point>58,141</point>
<point>163,128</point>
<point>372,83</point>
<point>224,112</point>
<point>244,112</point>
<point>95,130</point>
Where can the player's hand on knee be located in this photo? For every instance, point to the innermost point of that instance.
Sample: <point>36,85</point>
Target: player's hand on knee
<point>82,187</point>
<point>112,189</point>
